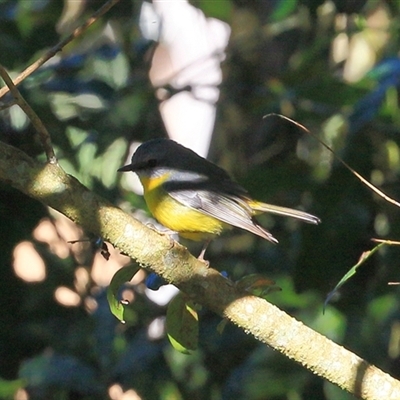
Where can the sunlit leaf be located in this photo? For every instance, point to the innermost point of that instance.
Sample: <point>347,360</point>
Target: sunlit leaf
<point>90,101</point>
<point>18,118</point>
<point>182,324</point>
<point>364,257</point>
<point>115,71</point>
<point>106,168</point>
<point>125,274</point>
<point>62,106</point>
<point>76,136</point>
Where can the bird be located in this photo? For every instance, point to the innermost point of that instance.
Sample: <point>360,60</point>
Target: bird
<point>195,197</point>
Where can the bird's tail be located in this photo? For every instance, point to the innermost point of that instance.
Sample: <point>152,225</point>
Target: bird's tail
<point>258,206</point>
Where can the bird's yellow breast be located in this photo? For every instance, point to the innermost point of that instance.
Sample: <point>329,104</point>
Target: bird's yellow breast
<point>189,223</point>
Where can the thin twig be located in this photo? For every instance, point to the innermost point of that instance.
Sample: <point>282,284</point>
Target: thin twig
<point>5,106</point>
<point>360,177</point>
<point>58,47</point>
<point>388,242</point>
<point>36,121</point>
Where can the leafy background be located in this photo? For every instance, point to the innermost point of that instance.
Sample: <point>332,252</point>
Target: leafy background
<point>95,99</point>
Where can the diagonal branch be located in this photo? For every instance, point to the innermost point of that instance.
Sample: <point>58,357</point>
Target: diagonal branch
<point>49,184</point>
<point>36,121</point>
<point>59,46</point>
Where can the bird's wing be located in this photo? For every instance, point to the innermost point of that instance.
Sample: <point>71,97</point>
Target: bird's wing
<point>229,209</point>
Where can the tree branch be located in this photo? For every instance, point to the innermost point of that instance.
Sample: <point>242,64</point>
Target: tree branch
<point>59,46</point>
<point>33,117</point>
<point>50,185</point>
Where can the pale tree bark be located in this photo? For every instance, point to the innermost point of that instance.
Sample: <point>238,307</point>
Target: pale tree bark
<point>49,184</point>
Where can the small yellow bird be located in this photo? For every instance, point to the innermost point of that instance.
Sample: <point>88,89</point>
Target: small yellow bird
<point>196,198</point>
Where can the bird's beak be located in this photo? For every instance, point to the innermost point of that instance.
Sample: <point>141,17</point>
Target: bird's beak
<point>125,168</point>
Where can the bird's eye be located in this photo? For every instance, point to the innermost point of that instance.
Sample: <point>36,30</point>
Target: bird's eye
<point>152,163</point>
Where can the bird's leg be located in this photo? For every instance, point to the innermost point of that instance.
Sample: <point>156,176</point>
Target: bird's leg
<point>203,251</point>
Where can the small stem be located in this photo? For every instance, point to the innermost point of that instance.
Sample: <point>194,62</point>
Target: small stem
<point>36,121</point>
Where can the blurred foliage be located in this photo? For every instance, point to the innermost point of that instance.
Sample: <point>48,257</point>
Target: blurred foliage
<point>303,58</point>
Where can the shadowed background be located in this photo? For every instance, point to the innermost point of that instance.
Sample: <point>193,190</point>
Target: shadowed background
<point>333,66</point>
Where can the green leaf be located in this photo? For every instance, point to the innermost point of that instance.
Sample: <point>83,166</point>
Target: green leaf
<point>105,167</point>
<point>283,9</point>
<point>364,257</point>
<point>182,324</point>
<point>9,388</point>
<point>221,9</point>
<point>125,274</point>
